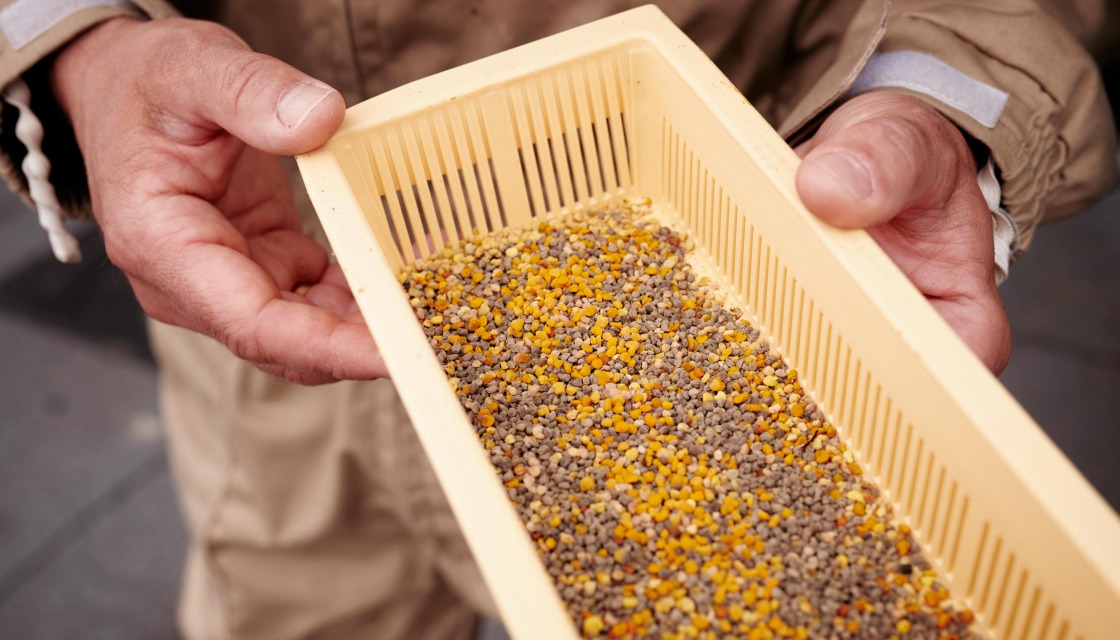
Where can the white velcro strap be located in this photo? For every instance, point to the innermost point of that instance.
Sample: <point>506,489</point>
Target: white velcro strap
<point>23,21</point>
<point>923,73</point>
<point>1005,233</point>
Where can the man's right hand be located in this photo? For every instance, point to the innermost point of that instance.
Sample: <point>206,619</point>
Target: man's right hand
<point>179,123</point>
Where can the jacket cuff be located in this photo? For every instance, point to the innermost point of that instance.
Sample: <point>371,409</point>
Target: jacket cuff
<point>1046,124</point>
<point>1041,110</point>
<point>31,32</point>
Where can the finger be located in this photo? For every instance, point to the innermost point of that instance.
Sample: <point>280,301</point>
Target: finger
<point>309,338</point>
<point>337,295</point>
<point>331,297</point>
<point>981,322</point>
<point>270,105</point>
<point>158,307</point>
<point>334,275</point>
<point>257,98</point>
<point>877,158</point>
<point>220,291</point>
<point>255,194</point>
<point>295,375</point>
<point>289,258</point>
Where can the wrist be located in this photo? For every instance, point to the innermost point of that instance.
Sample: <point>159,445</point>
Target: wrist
<point>74,66</point>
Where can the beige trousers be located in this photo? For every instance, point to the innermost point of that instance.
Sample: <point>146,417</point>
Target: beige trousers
<point>313,512</point>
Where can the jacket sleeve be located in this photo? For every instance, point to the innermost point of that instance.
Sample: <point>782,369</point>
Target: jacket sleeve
<point>1009,74</point>
<point>31,31</point>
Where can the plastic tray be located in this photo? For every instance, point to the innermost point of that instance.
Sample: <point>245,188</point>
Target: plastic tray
<point>629,107</point>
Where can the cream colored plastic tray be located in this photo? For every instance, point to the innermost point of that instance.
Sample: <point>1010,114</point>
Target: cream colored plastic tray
<point>629,107</point>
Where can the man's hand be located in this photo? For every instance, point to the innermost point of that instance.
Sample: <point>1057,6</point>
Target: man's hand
<point>178,122</point>
<point>892,164</point>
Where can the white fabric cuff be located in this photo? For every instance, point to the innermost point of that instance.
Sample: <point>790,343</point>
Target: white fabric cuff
<point>1005,233</point>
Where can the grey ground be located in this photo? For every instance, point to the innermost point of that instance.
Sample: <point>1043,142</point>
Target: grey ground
<point>91,540</point>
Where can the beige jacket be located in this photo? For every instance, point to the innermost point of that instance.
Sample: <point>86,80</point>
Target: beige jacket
<point>1053,141</point>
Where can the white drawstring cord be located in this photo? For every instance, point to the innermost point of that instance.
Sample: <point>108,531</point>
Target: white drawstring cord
<point>37,168</point>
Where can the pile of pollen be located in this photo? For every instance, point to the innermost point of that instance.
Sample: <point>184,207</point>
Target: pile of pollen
<point>674,475</point>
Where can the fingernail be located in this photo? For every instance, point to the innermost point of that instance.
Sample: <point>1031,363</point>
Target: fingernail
<point>845,170</point>
<point>299,101</point>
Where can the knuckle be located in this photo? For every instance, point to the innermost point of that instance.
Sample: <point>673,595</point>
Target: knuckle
<point>927,144</point>
<point>900,136</point>
<point>195,36</point>
<point>243,77</point>
<point>175,44</point>
<point>895,150</point>
<point>924,129</point>
<point>242,344</point>
<point>179,45</point>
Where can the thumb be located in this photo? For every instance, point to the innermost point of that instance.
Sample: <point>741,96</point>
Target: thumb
<point>262,101</point>
<point>878,156</point>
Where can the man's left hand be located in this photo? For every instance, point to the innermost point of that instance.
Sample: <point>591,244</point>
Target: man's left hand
<point>893,165</point>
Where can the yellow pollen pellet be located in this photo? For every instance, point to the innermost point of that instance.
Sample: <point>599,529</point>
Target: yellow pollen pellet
<point>592,625</point>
